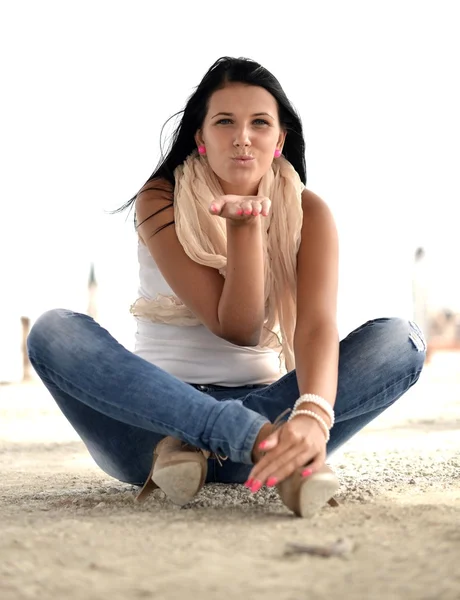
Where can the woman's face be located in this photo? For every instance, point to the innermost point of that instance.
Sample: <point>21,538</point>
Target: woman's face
<point>241,132</point>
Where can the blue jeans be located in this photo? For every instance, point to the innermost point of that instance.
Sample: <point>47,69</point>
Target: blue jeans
<point>122,406</point>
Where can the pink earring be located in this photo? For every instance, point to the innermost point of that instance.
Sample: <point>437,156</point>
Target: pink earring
<point>201,150</point>
<point>277,153</point>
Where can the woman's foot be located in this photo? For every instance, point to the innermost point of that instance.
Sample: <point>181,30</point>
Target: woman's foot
<point>306,495</point>
<point>303,495</point>
<point>178,469</point>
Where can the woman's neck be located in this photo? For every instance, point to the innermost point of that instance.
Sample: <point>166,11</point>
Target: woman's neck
<point>251,189</point>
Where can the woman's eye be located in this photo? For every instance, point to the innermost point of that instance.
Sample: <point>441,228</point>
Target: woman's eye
<point>258,122</point>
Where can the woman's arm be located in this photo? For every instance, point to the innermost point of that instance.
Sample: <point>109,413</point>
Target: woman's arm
<point>241,306</point>
<point>301,441</point>
<point>316,342</point>
<point>232,308</point>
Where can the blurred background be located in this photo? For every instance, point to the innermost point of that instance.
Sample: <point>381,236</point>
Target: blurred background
<point>87,86</point>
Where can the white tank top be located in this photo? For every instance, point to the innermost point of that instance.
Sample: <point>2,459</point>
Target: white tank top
<point>194,354</point>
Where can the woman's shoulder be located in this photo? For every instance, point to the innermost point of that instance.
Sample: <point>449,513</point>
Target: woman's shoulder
<point>156,189</point>
<point>154,207</point>
<point>317,216</point>
<point>311,202</point>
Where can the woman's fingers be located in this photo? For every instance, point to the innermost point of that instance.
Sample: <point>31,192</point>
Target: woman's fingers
<point>266,206</point>
<point>289,444</point>
<point>293,445</point>
<point>246,206</point>
<point>256,208</point>
<point>217,205</point>
<point>281,468</point>
<point>308,461</point>
<point>240,207</point>
<point>317,462</point>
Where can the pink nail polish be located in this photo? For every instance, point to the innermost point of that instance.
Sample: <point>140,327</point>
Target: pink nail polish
<point>239,212</point>
<point>263,444</point>
<point>248,212</point>
<point>256,486</point>
<point>306,472</point>
<point>213,208</point>
<point>249,482</point>
<point>271,481</point>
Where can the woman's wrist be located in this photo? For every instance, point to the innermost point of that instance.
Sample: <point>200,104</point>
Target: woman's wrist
<point>317,410</point>
<point>247,224</point>
<point>313,416</point>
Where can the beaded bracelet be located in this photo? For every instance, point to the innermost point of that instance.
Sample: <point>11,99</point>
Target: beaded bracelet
<point>317,418</point>
<point>319,401</point>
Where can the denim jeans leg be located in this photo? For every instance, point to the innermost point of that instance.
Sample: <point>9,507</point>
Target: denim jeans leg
<point>122,451</point>
<point>378,363</point>
<point>81,362</point>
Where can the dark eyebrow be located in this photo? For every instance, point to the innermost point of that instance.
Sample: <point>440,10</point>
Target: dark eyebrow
<point>263,114</point>
<point>228,114</point>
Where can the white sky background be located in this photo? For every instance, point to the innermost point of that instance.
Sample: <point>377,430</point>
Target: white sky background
<point>87,85</point>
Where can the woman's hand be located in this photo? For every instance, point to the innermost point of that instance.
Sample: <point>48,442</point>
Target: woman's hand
<point>298,443</point>
<point>240,208</point>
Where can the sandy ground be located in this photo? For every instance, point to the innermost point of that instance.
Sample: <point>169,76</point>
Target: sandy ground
<point>68,531</point>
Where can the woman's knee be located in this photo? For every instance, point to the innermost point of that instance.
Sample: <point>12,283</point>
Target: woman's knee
<point>389,345</point>
<point>403,342</point>
<point>51,327</point>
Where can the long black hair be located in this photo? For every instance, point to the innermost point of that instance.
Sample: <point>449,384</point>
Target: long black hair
<point>228,70</point>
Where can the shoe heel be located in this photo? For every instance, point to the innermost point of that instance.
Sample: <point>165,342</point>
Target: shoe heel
<point>180,482</point>
<point>148,487</point>
<point>316,491</point>
<point>306,495</point>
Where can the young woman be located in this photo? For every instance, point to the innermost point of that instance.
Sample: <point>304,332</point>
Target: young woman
<point>237,375</point>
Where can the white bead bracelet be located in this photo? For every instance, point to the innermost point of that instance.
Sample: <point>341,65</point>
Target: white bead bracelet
<point>319,401</point>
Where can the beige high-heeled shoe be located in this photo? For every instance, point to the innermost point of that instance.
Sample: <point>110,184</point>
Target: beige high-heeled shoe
<point>178,469</point>
<point>306,495</point>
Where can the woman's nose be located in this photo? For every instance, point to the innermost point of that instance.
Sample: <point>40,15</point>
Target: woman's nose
<point>242,137</point>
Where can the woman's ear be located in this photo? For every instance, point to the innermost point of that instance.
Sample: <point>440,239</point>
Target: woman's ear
<point>198,138</point>
<point>281,140</point>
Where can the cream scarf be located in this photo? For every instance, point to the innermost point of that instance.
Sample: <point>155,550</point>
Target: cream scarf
<point>203,237</point>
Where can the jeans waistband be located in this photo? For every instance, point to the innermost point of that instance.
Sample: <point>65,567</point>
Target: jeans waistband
<point>210,387</point>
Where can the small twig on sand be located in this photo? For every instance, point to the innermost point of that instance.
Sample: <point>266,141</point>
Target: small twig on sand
<point>341,547</point>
